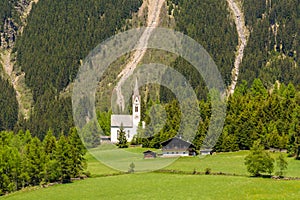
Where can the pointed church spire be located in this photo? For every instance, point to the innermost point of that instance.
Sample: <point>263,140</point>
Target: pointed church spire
<point>136,89</point>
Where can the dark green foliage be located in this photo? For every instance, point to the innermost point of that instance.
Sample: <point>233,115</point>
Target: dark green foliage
<point>282,164</point>
<point>252,113</point>
<point>259,161</point>
<point>51,113</point>
<point>273,46</point>
<point>77,152</point>
<point>122,141</point>
<point>58,36</point>
<point>256,113</point>
<point>208,22</point>
<point>63,158</point>
<point>8,106</point>
<point>7,11</point>
<point>104,121</point>
<point>25,160</point>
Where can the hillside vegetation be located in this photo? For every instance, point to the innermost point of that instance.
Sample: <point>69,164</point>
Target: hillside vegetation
<point>8,105</point>
<point>273,49</point>
<point>59,35</point>
<point>157,185</point>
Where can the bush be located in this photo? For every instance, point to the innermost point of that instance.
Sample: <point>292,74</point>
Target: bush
<point>208,171</point>
<point>259,161</point>
<point>282,165</point>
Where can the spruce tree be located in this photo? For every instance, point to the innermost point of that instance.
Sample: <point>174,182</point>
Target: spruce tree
<point>122,138</point>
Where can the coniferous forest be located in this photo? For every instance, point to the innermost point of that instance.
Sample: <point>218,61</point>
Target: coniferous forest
<point>27,161</point>
<point>60,34</point>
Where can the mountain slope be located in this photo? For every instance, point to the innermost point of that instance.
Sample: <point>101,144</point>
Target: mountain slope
<point>58,36</point>
<point>273,50</point>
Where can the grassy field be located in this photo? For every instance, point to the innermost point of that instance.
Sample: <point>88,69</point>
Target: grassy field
<point>174,186</point>
<point>231,162</point>
<point>167,186</point>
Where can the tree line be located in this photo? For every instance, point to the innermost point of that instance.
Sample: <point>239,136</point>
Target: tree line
<point>253,113</point>
<point>27,161</point>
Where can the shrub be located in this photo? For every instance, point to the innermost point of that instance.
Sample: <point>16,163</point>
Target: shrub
<point>259,161</point>
<point>208,171</point>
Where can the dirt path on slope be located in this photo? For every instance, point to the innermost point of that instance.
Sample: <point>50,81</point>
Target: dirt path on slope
<point>243,36</point>
<point>154,9</point>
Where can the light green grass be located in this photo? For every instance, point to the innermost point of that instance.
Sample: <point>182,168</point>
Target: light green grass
<point>167,186</point>
<point>121,159</point>
<point>222,162</point>
<point>173,186</point>
<point>232,162</point>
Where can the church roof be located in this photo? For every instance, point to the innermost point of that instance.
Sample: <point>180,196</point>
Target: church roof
<point>117,120</point>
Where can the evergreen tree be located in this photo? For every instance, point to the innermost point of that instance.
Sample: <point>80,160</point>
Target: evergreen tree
<point>64,159</point>
<point>122,138</point>
<point>77,152</point>
<point>34,161</point>
<point>51,164</point>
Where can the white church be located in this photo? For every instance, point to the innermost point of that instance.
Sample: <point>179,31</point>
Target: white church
<point>130,123</point>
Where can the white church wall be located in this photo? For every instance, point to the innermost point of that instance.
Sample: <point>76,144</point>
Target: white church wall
<point>130,132</point>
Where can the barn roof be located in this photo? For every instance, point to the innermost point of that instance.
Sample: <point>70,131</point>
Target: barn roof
<point>148,151</point>
<point>175,141</point>
<point>117,120</point>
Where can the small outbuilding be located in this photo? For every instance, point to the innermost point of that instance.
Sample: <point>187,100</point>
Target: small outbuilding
<point>149,154</point>
<point>177,147</point>
<point>205,152</point>
<point>104,139</point>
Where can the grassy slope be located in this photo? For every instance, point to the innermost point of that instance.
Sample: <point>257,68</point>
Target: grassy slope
<point>166,186</point>
<point>229,163</point>
<point>171,186</point>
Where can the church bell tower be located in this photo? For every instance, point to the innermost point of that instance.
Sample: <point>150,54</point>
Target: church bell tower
<point>136,105</point>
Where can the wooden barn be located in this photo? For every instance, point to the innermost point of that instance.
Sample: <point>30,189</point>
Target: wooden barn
<point>149,154</point>
<point>177,147</point>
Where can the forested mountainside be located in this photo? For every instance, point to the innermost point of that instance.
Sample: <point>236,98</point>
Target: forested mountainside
<point>8,105</point>
<point>273,49</point>
<point>210,24</point>
<point>266,108</point>
<point>272,52</point>
<point>58,36</point>
<point>10,12</point>
<point>12,18</point>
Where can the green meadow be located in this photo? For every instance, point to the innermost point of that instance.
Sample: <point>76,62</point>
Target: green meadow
<point>107,183</point>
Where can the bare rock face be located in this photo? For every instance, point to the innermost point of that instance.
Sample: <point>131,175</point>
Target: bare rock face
<point>8,32</point>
